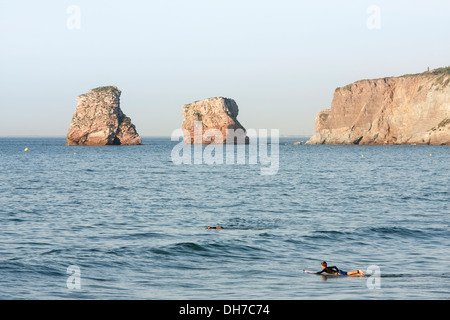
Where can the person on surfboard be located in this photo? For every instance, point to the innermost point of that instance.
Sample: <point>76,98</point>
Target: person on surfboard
<point>336,271</point>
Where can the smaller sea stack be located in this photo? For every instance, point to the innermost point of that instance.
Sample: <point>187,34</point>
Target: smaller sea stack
<point>214,115</point>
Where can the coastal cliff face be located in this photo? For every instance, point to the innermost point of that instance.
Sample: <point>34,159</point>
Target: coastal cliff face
<point>411,109</point>
<point>99,120</point>
<point>214,114</point>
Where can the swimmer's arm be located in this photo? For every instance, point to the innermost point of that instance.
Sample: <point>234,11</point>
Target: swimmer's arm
<point>323,270</point>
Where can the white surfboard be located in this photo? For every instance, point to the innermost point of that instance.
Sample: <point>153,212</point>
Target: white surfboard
<point>313,272</point>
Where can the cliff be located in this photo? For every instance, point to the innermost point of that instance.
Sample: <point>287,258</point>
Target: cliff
<point>411,109</point>
<point>218,114</point>
<point>98,120</point>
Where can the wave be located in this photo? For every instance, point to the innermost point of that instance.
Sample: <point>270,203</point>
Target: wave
<point>20,266</point>
<point>138,235</point>
<point>386,232</point>
<point>403,232</point>
<point>216,249</point>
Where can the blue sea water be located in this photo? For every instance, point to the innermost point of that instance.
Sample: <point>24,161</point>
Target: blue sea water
<point>134,223</point>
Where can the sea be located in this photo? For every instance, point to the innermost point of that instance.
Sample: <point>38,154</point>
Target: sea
<point>128,223</point>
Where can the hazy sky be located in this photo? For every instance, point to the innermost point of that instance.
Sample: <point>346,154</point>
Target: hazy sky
<point>280,60</point>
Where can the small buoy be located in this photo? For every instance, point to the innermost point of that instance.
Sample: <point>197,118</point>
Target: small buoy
<point>430,154</point>
<point>26,149</point>
<point>362,156</point>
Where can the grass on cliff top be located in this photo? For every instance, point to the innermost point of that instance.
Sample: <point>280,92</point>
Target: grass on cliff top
<point>442,79</point>
<point>444,70</point>
<point>438,71</point>
<point>207,99</point>
<point>105,89</point>
<point>347,87</point>
<point>441,72</point>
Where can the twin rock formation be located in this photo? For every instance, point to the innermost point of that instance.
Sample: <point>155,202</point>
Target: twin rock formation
<point>411,109</point>
<point>99,121</point>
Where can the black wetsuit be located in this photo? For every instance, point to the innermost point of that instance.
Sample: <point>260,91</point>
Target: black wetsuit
<point>330,270</point>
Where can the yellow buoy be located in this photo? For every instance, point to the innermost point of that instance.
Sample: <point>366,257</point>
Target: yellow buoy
<point>362,156</point>
<point>430,154</point>
<point>26,149</point>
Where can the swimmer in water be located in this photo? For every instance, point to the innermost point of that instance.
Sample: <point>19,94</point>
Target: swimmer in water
<point>335,271</point>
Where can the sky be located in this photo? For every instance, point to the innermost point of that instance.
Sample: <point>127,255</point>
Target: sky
<point>279,60</point>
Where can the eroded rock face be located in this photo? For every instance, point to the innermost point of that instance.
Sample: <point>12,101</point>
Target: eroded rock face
<point>214,114</point>
<point>99,120</point>
<point>411,109</point>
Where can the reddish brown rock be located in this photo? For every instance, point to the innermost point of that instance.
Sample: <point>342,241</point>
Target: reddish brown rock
<point>411,109</point>
<point>214,114</point>
<point>99,120</point>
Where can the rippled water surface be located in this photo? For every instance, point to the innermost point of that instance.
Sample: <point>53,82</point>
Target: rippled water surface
<point>134,223</point>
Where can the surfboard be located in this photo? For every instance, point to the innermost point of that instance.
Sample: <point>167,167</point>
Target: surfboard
<point>308,271</point>
<point>334,274</point>
<point>322,274</point>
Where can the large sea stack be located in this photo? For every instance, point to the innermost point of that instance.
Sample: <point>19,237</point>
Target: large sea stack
<point>410,109</point>
<point>219,114</point>
<point>99,121</point>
